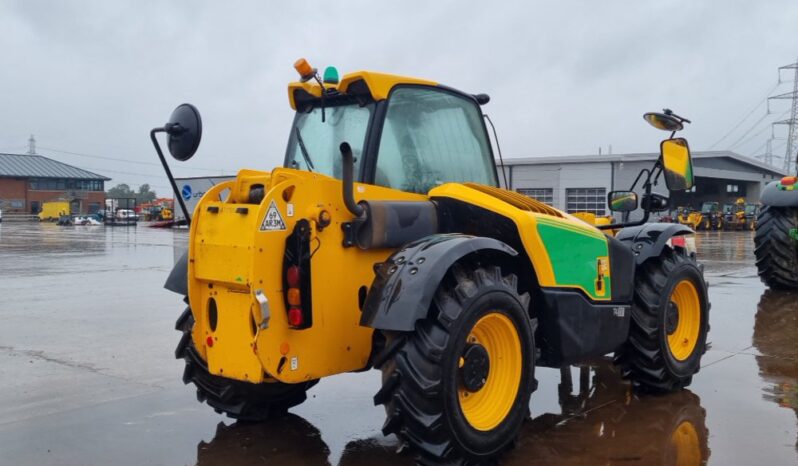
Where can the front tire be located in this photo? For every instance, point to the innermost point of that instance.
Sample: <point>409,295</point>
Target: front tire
<point>670,321</point>
<point>238,400</point>
<point>457,388</point>
<point>775,251</point>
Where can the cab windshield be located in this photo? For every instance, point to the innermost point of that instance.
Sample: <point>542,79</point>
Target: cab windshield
<point>314,144</point>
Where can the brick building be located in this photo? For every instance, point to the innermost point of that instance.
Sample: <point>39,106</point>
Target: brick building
<point>27,181</point>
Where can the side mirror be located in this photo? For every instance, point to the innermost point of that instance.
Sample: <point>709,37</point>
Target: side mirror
<point>664,121</point>
<point>184,132</point>
<point>677,164</point>
<point>622,201</point>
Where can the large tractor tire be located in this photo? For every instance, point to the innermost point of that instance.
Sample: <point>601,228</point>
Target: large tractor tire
<point>775,251</point>
<point>238,400</point>
<point>457,388</point>
<point>670,321</point>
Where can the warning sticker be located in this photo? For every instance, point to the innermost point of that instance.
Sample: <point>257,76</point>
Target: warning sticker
<point>272,220</point>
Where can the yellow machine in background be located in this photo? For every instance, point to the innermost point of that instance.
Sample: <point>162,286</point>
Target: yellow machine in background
<point>385,242</point>
<point>711,216</point>
<point>751,214</point>
<point>596,220</point>
<point>692,218</point>
<point>735,217</point>
<point>53,210</point>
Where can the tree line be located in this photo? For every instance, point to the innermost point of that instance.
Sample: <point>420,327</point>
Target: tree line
<point>122,190</point>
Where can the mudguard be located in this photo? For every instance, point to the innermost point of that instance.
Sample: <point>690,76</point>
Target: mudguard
<point>778,197</point>
<point>649,239</point>
<point>178,277</point>
<point>405,283</point>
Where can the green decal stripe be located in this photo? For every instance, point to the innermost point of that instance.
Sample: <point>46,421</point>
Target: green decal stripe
<point>573,228</point>
<point>574,256</point>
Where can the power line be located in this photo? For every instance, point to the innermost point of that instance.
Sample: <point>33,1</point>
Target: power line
<point>119,159</point>
<point>751,128</point>
<point>762,130</point>
<point>755,151</point>
<point>751,112</point>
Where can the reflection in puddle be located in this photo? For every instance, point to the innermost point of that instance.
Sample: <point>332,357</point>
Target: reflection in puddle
<point>604,422</point>
<point>288,440</point>
<point>776,338</point>
<point>601,421</point>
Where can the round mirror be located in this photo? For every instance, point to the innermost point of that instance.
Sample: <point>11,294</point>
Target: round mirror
<point>663,121</point>
<point>184,132</point>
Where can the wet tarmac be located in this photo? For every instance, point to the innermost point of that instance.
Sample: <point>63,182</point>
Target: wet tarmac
<point>88,375</point>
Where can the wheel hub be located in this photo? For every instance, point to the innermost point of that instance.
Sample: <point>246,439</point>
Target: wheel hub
<point>475,368</point>
<point>671,318</point>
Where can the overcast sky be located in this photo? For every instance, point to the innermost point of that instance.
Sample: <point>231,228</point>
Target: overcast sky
<point>564,77</point>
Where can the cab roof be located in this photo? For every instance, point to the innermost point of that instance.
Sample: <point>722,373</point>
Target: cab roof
<point>359,84</point>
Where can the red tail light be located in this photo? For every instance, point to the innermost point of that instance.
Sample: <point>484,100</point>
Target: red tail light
<point>292,276</point>
<point>295,317</point>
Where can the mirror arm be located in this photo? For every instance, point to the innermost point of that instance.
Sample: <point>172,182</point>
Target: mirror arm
<point>658,168</point>
<point>169,172</point>
<point>646,212</point>
<point>645,170</point>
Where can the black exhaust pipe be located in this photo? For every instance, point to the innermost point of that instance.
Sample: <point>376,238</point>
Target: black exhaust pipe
<point>348,182</point>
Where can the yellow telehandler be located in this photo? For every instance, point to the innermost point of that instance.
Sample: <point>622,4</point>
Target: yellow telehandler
<point>385,242</point>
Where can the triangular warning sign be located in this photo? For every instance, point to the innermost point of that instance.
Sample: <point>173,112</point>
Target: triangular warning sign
<point>272,220</point>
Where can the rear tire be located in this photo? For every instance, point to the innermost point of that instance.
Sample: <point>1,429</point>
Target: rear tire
<point>429,396</point>
<point>776,253</point>
<point>238,400</point>
<point>670,321</point>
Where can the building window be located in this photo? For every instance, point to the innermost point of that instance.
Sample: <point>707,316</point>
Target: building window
<point>60,184</point>
<point>732,188</point>
<point>544,195</point>
<point>586,200</point>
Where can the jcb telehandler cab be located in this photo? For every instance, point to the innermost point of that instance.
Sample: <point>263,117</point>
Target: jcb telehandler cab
<point>385,242</point>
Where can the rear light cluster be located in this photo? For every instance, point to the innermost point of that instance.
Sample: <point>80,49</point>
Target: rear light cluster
<point>296,277</point>
<point>294,296</point>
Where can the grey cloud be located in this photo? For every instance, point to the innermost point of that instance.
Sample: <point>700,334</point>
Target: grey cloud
<point>564,77</point>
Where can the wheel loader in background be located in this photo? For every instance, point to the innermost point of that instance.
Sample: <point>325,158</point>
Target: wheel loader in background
<point>776,237</point>
<point>385,242</point>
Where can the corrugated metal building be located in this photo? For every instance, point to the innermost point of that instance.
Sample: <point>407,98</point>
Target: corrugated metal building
<point>26,181</point>
<point>581,183</point>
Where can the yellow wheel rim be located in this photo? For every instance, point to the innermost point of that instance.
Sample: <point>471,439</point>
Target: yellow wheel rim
<point>487,407</point>
<point>685,441</point>
<point>687,308</point>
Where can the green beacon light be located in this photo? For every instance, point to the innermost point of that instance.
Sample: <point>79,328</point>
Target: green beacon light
<point>331,75</point>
